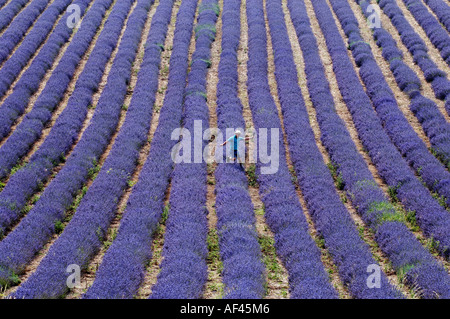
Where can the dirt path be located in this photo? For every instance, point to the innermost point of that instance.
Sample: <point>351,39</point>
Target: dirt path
<point>214,286</point>
<point>325,256</point>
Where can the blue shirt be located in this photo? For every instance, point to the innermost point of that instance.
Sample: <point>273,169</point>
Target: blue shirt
<point>234,145</point>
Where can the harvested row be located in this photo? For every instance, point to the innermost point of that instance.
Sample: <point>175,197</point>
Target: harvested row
<point>431,217</point>
<point>29,130</point>
<point>396,241</point>
<point>184,270</point>
<point>434,30</point>
<point>351,255</point>
<point>435,176</point>
<point>130,251</point>
<point>89,224</point>
<point>24,177</point>
<point>243,271</point>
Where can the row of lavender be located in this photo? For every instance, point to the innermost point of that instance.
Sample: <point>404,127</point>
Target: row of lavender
<point>403,136</point>
<point>283,212</point>
<point>34,230</point>
<point>9,9</point>
<point>419,51</point>
<point>431,119</point>
<point>398,128</point>
<point>124,264</point>
<point>65,131</point>
<point>442,11</point>
<point>243,271</point>
<point>15,104</point>
<point>25,134</point>
<point>84,234</point>
<point>431,217</point>
<point>24,16</point>
<point>350,253</point>
<point>183,270</point>
<point>434,30</point>
<point>427,112</point>
<point>406,253</point>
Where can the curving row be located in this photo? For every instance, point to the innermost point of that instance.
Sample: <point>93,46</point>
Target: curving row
<point>123,268</point>
<point>20,25</point>
<point>432,218</point>
<point>419,51</point>
<point>19,246</point>
<point>183,270</point>
<point>243,271</point>
<point>409,258</point>
<point>11,10</point>
<point>432,172</point>
<point>433,29</point>
<point>333,222</point>
<point>30,129</point>
<point>15,104</point>
<point>441,10</point>
<point>283,212</point>
<point>124,265</point>
<point>66,129</point>
<point>431,119</point>
<point>427,112</point>
<point>84,234</point>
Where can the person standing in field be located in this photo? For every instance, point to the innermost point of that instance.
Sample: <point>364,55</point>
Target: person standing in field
<point>234,145</point>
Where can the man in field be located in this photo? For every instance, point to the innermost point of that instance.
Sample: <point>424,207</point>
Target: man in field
<point>234,145</point>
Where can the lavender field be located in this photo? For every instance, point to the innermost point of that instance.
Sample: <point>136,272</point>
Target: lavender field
<point>117,181</point>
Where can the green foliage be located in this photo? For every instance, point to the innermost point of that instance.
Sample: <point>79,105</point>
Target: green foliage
<point>338,180</point>
<point>165,214</point>
<point>320,242</point>
<point>59,227</point>
<point>392,192</point>
<point>214,251</point>
<point>252,180</point>
<point>269,257</point>
<point>402,271</point>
